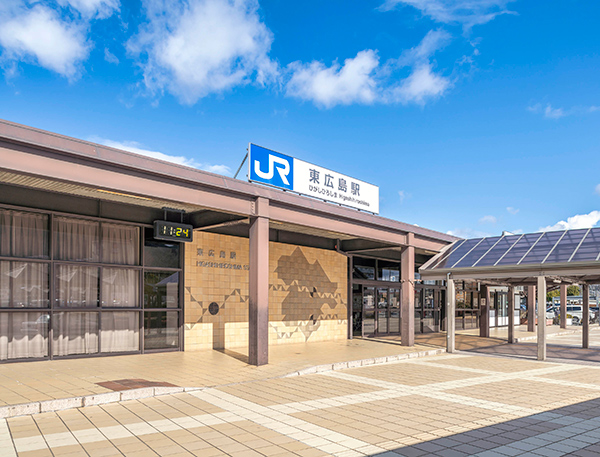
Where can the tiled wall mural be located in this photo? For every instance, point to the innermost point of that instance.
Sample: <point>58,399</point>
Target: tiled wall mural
<point>307,293</point>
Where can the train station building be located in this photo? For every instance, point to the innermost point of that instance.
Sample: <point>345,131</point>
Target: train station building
<point>96,260</point>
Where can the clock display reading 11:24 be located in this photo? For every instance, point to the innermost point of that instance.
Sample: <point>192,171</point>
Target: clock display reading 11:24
<point>172,231</point>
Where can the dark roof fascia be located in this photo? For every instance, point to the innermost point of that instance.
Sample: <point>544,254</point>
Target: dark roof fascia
<point>68,146</point>
<point>508,271</point>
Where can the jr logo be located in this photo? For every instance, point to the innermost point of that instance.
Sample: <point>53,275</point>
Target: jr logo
<point>270,167</point>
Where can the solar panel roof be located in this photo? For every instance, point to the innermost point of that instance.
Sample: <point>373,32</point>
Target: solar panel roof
<point>542,248</point>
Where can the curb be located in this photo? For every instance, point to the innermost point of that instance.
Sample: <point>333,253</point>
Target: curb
<point>38,407</point>
<point>363,362</point>
<point>61,404</point>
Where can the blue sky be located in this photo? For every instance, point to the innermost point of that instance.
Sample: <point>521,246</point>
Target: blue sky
<point>472,116</point>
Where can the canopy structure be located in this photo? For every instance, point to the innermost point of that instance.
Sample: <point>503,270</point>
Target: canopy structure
<point>543,259</point>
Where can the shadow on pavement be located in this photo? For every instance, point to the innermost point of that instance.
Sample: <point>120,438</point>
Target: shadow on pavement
<point>570,430</point>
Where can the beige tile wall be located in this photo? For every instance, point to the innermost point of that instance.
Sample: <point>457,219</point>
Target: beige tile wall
<point>307,293</point>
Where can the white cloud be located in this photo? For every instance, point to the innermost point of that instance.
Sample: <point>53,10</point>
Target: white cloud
<point>467,233</point>
<point>329,86</point>
<point>423,83</point>
<point>100,9</point>
<point>575,222</point>
<point>403,195</point>
<point>488,220</point>
<point>363,80</point>
<point>556,113</point>
<point>203,47</point>
<point>512,210</point>
<point>553,113</point>
<point>465,12</point>
<point>39,35</point>
<point>137,148</point>
<point>597,189</point>
<point>548,112</point>
<point>110,57</point>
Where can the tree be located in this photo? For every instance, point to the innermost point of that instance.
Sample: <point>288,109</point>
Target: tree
<point>551,294</point>
<point>573,290</point>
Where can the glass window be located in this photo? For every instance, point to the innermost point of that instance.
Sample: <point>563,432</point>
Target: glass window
<point>388,271</point>
<point>160,253</point>
<point>120,244</point>
<point>24,285</point>
<point>76,239</point>
<point>363,268</point>
<point>23,335</point>
<point>23,234</point>
<point>76,286</point>
<point>120,287</point>
<point>161,329</point>
<point>75,333</point>
<point>161,289</point>
<point>120,331</point>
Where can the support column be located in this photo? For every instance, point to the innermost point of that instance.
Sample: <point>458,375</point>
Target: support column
<point>258,308</point>
<point>484,307</point>
<point>407,275</point>
<point>563,306</point>
<point>511,315</point>
<point>541,317</point>
<point>450,316</point>
<point>531,308</point>
<point>585,291</point>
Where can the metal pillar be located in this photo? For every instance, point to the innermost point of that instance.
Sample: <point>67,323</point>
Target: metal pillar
<point>585,290</point>
<point>563,306</point>
<point>450,316</point>
<point>531,308</point>
<point>511,315</point>
<point>484,306</point>
<point>541,317</point>
<point>407,275</point>
<point>258,308</point>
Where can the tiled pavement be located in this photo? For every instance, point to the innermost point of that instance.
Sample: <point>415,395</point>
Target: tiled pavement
<point>449,405</point>
<point>59,379</point>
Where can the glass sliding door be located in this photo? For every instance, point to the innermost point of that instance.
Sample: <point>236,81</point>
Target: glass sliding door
<point>357,311</point>
<point>368,311</point>
<point>382,311</point>
<point>394,306</point>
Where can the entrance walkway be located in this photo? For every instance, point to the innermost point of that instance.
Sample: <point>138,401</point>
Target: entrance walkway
<point>26,382</point>
<point>449,405</point>
<point>562,344</point>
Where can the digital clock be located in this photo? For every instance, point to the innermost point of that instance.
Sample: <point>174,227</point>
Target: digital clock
<point>172,231</point>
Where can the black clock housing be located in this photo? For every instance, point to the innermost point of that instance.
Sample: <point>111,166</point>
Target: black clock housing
<point>172,231</point>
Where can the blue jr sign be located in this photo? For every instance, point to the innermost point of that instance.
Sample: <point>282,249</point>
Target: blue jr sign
<point>279,170</point>
<point>271,167</point>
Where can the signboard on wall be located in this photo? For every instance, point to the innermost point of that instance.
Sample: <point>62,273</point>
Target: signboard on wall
<point>285,172</point>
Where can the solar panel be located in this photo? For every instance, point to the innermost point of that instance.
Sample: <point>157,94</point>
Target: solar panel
<point>498,251</point>
<point>589,249</point>
<point>541,249</point>
<point>565,248</point>
<point>476,253</point>
<point>520,248</point>
<point>457,253</point>
<point>446,254</point>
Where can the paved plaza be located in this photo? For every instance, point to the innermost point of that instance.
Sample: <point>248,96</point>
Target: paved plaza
<point>446,405</point>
